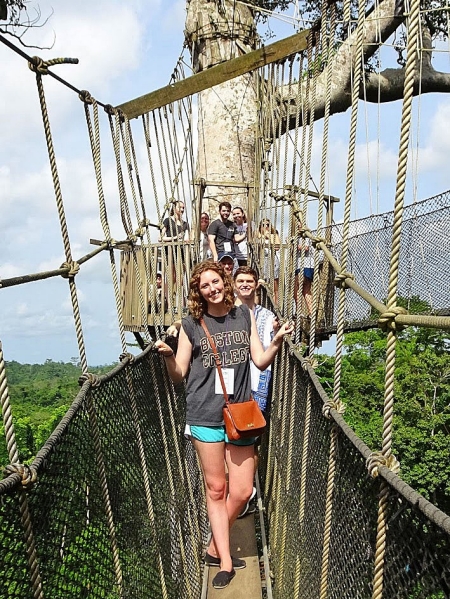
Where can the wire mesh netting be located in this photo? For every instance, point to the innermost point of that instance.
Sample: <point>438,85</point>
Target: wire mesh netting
<point>417,560</point>
<point>424,247</point>
<point>139,530</point>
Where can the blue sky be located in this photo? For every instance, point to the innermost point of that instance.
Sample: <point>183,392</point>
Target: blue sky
<point>126,50</point>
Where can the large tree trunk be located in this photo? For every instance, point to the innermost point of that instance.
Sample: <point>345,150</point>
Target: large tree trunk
<point>216,31</point>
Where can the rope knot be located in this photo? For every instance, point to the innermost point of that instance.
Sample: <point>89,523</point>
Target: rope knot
<point>109,109</point>
<point>37,65</point>
<point>74,269</point>
<point>330,404</point>
<point>140,232</point>
<point>340,279</point>
<point>86,97</point>
<point>94,379</point>
<point>310,361</point>
<point>126,357</point>
<point>386,322</point>
<point>27,473</point>
<point>377,459</point>
<point>317,240</point>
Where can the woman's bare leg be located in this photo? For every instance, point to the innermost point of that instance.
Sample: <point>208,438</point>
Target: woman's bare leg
<point>211,457</point>
<point>241,472</point>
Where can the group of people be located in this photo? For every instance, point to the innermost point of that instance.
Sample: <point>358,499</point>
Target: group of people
<point>225,240</point>
<point>248,338</point>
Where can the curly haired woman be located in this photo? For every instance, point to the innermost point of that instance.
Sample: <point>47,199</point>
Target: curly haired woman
<point>233,329</point>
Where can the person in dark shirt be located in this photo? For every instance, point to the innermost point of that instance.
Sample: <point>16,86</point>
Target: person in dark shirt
<point>175,233</point>
<point>222,233</point>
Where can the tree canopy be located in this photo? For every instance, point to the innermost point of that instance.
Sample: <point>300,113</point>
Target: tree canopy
<point>421,437</point>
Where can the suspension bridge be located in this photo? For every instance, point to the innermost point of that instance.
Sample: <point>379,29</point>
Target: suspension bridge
<point>113,505</point>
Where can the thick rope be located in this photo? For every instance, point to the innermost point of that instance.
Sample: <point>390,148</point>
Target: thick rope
<point>357,73</point>
<point>62,217</point>
<point>305,443</point>
<point>388,411</point>
<point>28,477</point>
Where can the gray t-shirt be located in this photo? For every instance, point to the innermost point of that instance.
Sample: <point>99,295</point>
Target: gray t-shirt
<point>231,334</point>
<point>224,234</point>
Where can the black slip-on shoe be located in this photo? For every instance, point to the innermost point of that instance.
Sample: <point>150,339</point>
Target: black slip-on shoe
<point>223,578</point>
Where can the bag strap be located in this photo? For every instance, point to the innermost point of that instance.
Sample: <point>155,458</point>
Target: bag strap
<point>216,356</point>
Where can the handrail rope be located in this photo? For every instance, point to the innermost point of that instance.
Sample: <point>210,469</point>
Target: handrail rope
<point>329,503</point>
<point>314,72</point>
<point>117,135</point>
<point>149,257</point>
<point>357,73</point>
<point>269,248</point>
<point>153,256</point>
<point>303,151</point>
<point>266,165</point>
<point>163,166</point>
<point>114,125</point>
<point>38,67</point>
<point>94,137</point>
<point>126,136</point>
<point>148,144</point>
<point>388,410</point>
<point>269,141</point>
<point>28,477</point>
<point>127,141</point>
<point>282,257</point>
<point>177,162</point>
<point>287,439</point>
<point>305,440</point>
<point>292,254</point>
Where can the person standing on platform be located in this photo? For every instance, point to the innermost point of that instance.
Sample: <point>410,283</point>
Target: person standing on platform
<point>211,298</point>
<point>222,233</point>
<point>204,249</point>
<point>245,286</point>
<point>240,248</point>
<point>175,233</point>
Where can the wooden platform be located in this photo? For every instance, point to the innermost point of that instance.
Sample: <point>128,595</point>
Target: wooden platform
<point>247,582</point>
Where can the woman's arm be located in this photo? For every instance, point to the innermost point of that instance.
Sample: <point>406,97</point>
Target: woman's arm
<point>277,242</point>
<point>212,246</point>
<point>262,359</point>
<point>177,367</point>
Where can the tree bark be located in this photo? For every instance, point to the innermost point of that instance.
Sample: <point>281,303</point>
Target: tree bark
<point>217,31</point>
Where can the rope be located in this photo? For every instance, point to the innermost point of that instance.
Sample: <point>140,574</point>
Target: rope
<point>388,411</point>
<point>305,447</point>
<point>28,477</point>
<point>357,68</point>
<point>61,213</point>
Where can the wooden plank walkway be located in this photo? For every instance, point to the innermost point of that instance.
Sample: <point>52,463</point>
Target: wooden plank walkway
<point>247,582</point>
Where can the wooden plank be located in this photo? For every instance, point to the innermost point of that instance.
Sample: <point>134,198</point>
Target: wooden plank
<point>218,74</point>
<point>247,582</point>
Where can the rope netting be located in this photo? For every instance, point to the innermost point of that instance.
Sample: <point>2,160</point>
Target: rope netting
<point>113,504</point>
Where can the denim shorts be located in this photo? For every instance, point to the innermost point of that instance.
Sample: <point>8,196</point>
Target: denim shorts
<point>308,273</point>
<point>214,434</point>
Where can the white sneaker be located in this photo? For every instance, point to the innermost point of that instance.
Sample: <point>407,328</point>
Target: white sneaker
<point>250,506</point>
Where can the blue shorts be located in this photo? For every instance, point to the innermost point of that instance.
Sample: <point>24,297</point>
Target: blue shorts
<point>214,434</point>
<point>308,273</point>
